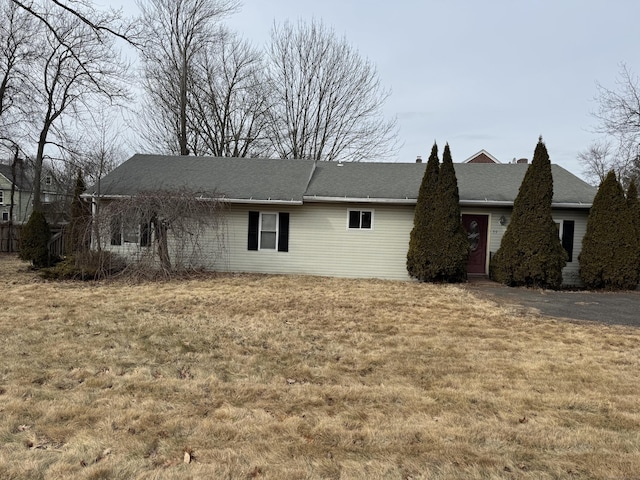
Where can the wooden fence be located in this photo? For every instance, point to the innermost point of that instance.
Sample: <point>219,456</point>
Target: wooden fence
<point>10,239</point>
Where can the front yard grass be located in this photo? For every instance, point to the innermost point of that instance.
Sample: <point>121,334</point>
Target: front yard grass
<point>294,377</point>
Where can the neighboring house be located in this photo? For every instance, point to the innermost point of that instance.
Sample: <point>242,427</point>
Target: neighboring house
<point>21,196</point>
<point>336,219</point>
<point>482,157</point>
<point>55,198</point>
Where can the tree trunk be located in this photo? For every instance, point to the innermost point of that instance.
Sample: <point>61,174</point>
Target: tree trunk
<point>14,164</point>
<point>160,230</point>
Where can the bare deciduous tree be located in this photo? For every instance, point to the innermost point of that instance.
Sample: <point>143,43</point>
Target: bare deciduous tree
<point>328,100</point>
<point>176,31</point>
<point>597,160</point>
<point>619,116</point>
<point>17,51</point>
<point>68,77</point>
<point>229,104</point>
<point>84,11</point>
<point>175,230</point>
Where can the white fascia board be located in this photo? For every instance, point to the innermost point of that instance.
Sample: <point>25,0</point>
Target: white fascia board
<point>262,202</point>
<point>222,199</point>
<point>577,205</point>
<point>396,201</point>
<point>507,203</point>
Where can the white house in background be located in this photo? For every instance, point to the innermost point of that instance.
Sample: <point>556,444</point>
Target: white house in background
<point>22,192</point>
<point>339,219</point>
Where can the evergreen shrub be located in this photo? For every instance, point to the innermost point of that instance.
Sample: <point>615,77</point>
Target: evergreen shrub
<point>531,253</point>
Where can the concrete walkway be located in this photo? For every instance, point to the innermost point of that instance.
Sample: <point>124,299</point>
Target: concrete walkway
<point>614,308</point>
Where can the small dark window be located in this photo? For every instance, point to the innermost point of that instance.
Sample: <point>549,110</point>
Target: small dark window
<point>366,220</point>
<point>360,219</point>
<point>354,219</point>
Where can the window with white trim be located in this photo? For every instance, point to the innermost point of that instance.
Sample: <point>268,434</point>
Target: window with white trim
<point>268,231</point>
<point>360,219</point>
<point>1,197</point>
<point>129,231</point>
<point>5,216</point>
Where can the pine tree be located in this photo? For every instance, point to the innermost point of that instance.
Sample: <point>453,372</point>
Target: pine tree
<point>531,253</point>
<point>77,232</point>
<point>633,203</point>
<point>610,251</point>
<point>34,240</point>
<point>418,256</point>
<point>450,246</point>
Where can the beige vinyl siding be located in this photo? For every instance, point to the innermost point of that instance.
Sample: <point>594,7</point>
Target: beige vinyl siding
<point>321,244</point>
<point>570,273</point>
<point>20,202</point>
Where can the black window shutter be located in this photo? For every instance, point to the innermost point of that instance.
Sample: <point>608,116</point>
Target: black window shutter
<point>254,221</point>
<point>283,228</point>
<point>567,237</point>
<point>145,234</point>
<point>116,231</point>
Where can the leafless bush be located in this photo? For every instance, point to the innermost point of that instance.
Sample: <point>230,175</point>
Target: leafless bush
<point>163,233</point>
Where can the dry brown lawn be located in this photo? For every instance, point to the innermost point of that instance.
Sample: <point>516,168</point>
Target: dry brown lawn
<point>293,377</point>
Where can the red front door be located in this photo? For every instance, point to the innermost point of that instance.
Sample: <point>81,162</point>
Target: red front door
<point>476,227</point>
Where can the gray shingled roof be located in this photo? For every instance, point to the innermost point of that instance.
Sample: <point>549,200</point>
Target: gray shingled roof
<point>480,182</point>
<point>233,178</point>
<point>22,180</point>
<point>288,180</point>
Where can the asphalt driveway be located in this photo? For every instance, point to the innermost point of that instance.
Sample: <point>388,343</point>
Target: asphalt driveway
<point>614,308</point>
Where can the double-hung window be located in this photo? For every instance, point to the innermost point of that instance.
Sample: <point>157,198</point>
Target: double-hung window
<point>360,219</point>
<point>268,231</point>
<point>1,197</point>
<point>127,230</point>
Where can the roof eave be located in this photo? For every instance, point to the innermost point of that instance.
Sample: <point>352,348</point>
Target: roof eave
<point>509,203</point>
<point>222,199</point>
<point>328,199</point>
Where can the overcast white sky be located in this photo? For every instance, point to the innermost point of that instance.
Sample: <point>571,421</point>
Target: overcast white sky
<point>490,75</point>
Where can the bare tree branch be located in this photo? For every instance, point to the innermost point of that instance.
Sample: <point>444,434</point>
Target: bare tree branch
<point>175,32</point>
<point>619,116</point>
<point>115,27</point>
<point>328,100</point>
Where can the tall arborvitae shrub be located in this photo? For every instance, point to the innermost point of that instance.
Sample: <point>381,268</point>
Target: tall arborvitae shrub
<point>610,251</point>
<point>77,233</point>
<point>531,253</point>
<point>418,256</point>
<point>450,247</point>
<point>34,240</point>
<point>633,202</point>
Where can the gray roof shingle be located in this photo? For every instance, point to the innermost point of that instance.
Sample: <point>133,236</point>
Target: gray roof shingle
<point>23,181</point>
<point>294,180</point>
<point>480,182</point>
<point>233,178</point>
